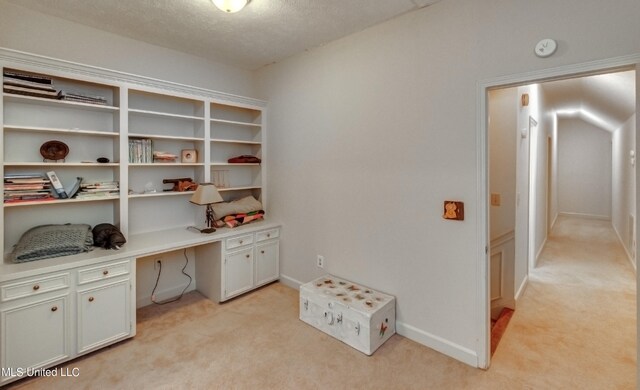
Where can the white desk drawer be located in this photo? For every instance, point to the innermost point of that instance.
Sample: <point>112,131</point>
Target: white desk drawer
<point>237,242</point>
<point>34,286</point>
<point>267,235</point>
<point>102,272</point>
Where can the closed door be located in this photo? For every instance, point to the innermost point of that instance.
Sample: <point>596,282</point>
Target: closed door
<point>103,315</point>
<point>267,262</point>
<point>35,335</point>
<point>238,272</point>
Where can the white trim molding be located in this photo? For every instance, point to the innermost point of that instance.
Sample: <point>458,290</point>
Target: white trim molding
<point>290,282</point>
<point>20,58</point>
<point>439,344</point>
<point>483,324</point>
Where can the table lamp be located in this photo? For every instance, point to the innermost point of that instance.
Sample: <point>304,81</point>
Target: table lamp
<point>207,194</point>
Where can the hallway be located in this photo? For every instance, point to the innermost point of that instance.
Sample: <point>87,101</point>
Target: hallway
<point>578,314</point>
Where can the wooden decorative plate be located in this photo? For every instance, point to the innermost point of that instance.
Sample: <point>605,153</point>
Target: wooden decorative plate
<point>54,150</point>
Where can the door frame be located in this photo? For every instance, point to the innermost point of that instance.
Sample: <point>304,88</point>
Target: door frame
<point>483,295</point>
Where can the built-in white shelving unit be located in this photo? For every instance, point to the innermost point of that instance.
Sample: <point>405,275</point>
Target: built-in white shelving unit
<point>174,119</point>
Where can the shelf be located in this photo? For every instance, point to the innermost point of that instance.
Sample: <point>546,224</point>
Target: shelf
<point>61,165</point>
<point>61,201</point>
<point>167,137</point>
<point>235,141</point>
<point>165,114</point>
<point>166,164</point>
<point>236,123</point>
<point>158,194</point>
<point>221,189</point>
<point>34,129</point>
<point>234,164</point>
<point>9,97</point>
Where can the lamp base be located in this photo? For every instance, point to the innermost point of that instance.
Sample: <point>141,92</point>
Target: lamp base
<point>207,230</point>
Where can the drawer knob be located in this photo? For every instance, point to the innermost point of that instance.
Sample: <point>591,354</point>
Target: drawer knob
<point>36,287</point>
<point>247,256</point>
<point>240,241</point>
<point>55,308</point>
<point>91,299</point>
<point>105,272</point>
<point>268,235</point>
<point>262,252</point>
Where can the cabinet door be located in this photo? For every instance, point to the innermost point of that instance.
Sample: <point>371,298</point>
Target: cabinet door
<point>103,315</point>
<point>35,335</point>
<point>267,262</point>
<point>238,272</point>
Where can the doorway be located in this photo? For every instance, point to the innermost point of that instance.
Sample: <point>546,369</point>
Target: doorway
<point>541,197</point>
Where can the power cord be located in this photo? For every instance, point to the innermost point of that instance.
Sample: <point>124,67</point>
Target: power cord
<point>153,293</point>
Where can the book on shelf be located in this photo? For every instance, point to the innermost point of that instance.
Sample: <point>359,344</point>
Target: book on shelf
<point>12,89</point>
<point>35,78</point>
<point>26,187</point>
<point>83,98</point>
<point>57,185</point>
<point>140,150</point>
<point>29,84</point>
<point>164,157</point>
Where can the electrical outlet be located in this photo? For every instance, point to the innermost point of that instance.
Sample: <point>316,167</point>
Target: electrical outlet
<point>320,261</point>
<point>157,264</point>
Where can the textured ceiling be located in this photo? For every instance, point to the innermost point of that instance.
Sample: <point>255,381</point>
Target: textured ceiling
<point>606,100</point>
<point>266,31</point>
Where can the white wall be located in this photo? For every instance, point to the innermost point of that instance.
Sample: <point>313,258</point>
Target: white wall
<point>624,183</point>
<point>368,135</point>
<point>29,31</point>
<point>584,169</point>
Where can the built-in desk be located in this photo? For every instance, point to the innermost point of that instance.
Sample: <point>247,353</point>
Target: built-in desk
<point>54,310</point>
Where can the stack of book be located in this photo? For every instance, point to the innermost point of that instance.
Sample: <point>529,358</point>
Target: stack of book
<point>19,83</point>
<point>98,189</point>
<point>164,157</point>
<point>83,98</point>
<point>27,187</point>
<point>140,151</point>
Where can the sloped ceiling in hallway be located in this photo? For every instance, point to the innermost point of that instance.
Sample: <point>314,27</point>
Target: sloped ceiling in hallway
<point>606,100</point>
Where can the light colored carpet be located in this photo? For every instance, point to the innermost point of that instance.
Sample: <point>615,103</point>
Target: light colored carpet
<point>574,328</point>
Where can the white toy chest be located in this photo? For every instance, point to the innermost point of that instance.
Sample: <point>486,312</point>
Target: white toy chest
<point>356,315</point>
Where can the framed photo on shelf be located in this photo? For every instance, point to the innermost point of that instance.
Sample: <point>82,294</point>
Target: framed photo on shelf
<point>189,156</point>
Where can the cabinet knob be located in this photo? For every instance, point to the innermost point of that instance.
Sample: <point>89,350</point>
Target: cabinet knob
<point>36,287</point>
<point>55,308</point>
<point>91,299</point>
<point>262,252</point>
<point>105,272</point>
<point>268,235</point>
<point>240,241</point>
<point>247,256</point>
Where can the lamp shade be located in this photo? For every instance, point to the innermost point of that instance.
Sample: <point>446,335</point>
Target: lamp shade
<point>230,6</point>
<point>206,193</point>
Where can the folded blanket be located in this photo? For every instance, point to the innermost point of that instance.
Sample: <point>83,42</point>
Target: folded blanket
<point>234,220</point>
<point>46,241</point>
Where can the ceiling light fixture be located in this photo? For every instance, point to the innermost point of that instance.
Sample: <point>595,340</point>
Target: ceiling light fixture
<point>230,6</point>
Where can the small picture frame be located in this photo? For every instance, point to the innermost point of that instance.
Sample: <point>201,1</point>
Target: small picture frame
<point>189,156</point>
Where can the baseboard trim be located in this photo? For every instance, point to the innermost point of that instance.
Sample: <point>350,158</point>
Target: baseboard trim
<point>162,295</point>
<point>629,257</point>
<point>535,262</point>
<point>439,344</point>
<point>523,287</point>
<point>290,282</point>
<point>588,216</point>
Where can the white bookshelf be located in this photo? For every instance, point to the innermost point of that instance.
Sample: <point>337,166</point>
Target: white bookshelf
<point>173,117</point>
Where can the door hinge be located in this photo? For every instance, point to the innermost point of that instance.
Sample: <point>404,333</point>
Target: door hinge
<point>486,250</point>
